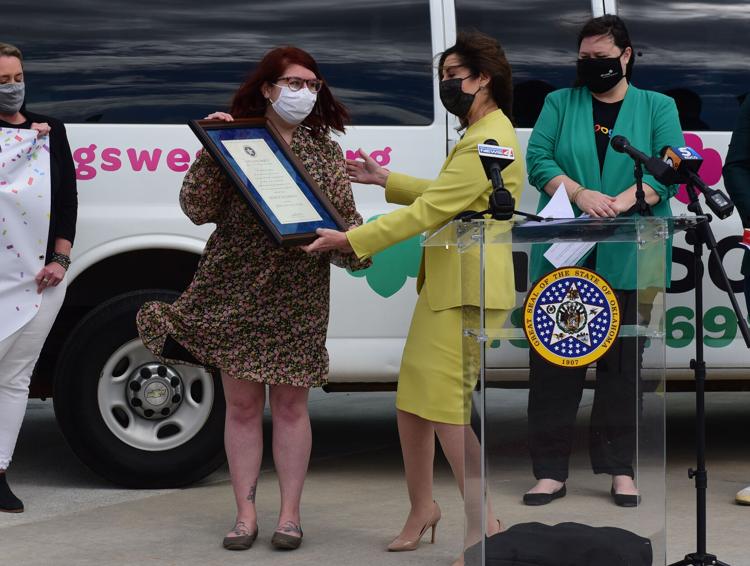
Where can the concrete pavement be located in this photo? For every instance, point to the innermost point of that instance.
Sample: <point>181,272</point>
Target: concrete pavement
<point>355,497</point>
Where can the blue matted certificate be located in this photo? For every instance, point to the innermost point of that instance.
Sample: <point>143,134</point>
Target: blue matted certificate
<point>273,181</point>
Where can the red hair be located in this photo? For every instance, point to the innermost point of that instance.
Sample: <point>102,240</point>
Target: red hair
<point>327,114</point>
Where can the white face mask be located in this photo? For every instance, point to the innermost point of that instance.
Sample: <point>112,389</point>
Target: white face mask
<point>294,106</point>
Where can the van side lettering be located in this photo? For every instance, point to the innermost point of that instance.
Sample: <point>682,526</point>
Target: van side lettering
<point>178,160</point>
<point>381,156</point>
<point>111,159</point>
<point>83,156</point>
<point>150,160</point>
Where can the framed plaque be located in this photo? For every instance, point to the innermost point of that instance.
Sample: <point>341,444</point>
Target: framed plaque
<point>272,180</point>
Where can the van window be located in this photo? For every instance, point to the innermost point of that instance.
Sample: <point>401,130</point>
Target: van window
<point>539,39</point>
<point>698,52</point>
<point>140,61</point>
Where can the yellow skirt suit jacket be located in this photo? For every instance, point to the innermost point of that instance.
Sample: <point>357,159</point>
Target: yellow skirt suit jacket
<point>436,378</point>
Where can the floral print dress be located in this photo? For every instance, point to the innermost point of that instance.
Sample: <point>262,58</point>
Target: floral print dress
<point>255,310</point>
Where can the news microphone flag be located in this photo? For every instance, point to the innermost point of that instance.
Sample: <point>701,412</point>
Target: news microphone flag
<point>684,163</point>
<point>682,158</point>
<point>496,152</point>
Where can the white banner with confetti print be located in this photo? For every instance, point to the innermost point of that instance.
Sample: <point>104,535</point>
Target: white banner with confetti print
<point>24,224</point>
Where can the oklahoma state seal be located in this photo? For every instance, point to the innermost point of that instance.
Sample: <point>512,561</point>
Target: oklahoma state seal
<point>571,317</point>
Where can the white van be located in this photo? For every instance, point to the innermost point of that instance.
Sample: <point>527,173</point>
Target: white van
<point>127,78</point>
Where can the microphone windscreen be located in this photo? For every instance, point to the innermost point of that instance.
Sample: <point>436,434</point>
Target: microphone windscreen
<point>619,143</point>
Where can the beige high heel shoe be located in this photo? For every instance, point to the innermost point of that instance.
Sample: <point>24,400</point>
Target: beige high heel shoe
<point>402,545</point>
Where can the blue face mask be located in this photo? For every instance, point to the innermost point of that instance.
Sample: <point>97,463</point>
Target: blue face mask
<point>11,97</point>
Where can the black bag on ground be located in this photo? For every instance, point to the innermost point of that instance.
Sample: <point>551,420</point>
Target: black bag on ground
<point>566,544</point>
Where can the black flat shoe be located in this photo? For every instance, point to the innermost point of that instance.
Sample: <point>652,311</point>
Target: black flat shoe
<point>622,500</point>
<point>543,498</point>
<point>9,503</point>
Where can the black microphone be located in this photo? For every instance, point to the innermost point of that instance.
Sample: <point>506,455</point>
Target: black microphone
<point>684,163</point>
<point>658,168</point>
<point>494,159</point>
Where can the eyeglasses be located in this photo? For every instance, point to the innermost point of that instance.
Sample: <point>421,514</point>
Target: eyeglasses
<point>296,83</point>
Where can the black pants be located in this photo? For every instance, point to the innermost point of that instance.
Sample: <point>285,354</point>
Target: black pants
<point>554,396</point>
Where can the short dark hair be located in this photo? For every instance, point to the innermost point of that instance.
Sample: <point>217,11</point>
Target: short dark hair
<point>481,53</point>
<point>614,27</point>
<point>327,114</point>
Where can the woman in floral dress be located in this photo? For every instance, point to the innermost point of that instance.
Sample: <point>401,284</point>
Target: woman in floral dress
<point>256,311</point>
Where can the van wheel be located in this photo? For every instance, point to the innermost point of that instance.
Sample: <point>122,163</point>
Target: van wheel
<point>132,419</point>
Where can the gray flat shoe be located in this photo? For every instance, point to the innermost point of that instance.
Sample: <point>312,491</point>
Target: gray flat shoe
<point>283,541</point>
<point>240,541</point>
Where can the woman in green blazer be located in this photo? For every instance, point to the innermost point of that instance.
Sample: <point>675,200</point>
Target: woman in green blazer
<point>570,146</point>
<point>434,394</point>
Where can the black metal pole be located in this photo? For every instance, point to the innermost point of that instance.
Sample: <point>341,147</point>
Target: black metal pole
<point>699,367</point>
<point>699,235</point>
<point>641,206</point>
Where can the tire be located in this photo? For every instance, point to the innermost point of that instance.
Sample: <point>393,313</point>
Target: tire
<point>104,367</point>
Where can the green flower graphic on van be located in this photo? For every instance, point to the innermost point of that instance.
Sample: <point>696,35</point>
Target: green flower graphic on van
<point>391,267</point>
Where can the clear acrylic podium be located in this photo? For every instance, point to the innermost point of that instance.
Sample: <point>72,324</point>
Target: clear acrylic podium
<point>498,469</point>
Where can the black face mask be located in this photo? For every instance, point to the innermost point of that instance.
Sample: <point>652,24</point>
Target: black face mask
<point>599,75</point>
<point>455,100</point>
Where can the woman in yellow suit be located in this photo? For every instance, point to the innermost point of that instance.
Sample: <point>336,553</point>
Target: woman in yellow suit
<point>433,395</point>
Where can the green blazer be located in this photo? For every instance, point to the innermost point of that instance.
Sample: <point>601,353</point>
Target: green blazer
<point>461,185</point>
<point>737,171</point>
<point>563,143</point>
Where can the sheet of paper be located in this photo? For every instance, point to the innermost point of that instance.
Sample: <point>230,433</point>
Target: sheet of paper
<point>558,206</point>
<point>561,255</point>
<point>274,184</point>
<point>568,253</point>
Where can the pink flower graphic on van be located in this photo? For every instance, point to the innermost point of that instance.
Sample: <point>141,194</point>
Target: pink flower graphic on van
<point>381,156</point>
<point>710,171</point>
<point>391,267</point>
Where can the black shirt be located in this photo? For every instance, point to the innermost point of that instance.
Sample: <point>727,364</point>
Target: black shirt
<point>64,205</point>
<point>605,115</point>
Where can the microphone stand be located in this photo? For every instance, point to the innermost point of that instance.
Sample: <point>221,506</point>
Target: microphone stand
<point>501,207</point>
<point>697,236</point>
<point>641,206</point>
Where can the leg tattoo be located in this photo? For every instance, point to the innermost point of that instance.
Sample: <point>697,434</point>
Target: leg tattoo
<point>253,489</point>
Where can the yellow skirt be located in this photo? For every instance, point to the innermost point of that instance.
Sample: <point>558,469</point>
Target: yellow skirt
<point>439,367</point>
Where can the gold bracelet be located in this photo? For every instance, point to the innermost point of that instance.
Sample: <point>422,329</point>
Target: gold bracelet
<point>575,194</point>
